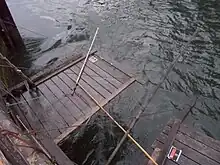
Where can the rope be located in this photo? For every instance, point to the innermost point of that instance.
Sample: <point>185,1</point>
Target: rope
<point>129,136</point>
<point>7,66</point>
<point>145,105</point>
<point>19,72</point>
<point>36,141</point>
<point>15,26</point>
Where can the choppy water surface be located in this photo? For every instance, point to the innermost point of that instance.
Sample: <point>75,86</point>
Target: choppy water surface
<point>147,35</point>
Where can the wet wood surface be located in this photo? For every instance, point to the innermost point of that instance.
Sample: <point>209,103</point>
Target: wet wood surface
<point>197,148</point>
<point>52,109</point>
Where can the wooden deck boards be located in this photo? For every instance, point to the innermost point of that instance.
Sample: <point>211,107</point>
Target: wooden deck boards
<point>112,70</point>
<point>96,85</point>
<point>54,110</point>
<point>86,85</point>
<point>104,74</point>
<point>42,114</point>
<point>197,148</point>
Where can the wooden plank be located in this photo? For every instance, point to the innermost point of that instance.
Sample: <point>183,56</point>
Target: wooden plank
<point>201,148</point>
<point>196,145</point>
<point>53,118</point>
<point>81,103</point>
<point>61,109</point>
<point>171,137</point>
<point>55,152</point>
<point>172,133</point>
<point>79,92</point>
<point>75,99</point>
<point>75,110</point>
<point>19,109</point>
<point>154,156</point>
<point>11,152</point>
<point>189,152</point>
<point>112,70</point>
<point>59,71</point>
<point>122,67</point>
<point>101,80</point>
<point>102,73</point>
<point>76,125</point>
<point>94,110</point>
<point>55,115</point>
<point>45,75</point>
<point>33,120</point>
<point>98,87</point>
<point>182,161</point>
<point>208,141</point>
<point>61,97</point>
<point>3,160</point>
<point>38,107</point>
<point>85,85</point>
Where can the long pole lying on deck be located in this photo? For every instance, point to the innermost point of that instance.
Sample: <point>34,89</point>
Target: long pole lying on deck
<point>85,61</point>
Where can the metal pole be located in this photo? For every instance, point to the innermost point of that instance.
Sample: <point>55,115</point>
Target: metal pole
<point>85,61</point>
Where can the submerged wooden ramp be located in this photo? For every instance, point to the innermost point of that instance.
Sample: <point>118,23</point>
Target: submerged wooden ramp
<point>53,110</point>
<point>197,148</point>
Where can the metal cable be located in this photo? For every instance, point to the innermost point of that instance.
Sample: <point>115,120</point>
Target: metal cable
<point>15,26</point>
<point>146,103</point>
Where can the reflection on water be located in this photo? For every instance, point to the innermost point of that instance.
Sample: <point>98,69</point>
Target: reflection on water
<point>147,35</point>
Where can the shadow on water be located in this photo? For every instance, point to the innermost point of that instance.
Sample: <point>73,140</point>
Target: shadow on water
<point>44,52</point>
<point>93,143</point>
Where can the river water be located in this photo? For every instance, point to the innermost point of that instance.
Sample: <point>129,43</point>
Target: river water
<point>145,34</point>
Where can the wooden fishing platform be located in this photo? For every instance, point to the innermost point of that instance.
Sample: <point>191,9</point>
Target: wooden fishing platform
<point>197,148</point>
<point>53,111</point>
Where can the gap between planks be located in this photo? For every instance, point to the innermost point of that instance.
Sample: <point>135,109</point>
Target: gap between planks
<point>59,71</point>
<point>117,73</point>
<point>96,85</point>
<point>197,136</point>
<point>93,111</point>
<point>192,149</point>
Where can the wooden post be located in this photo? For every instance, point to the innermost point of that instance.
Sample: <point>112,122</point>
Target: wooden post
<point>11,45</point>
<point>9,31</point>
